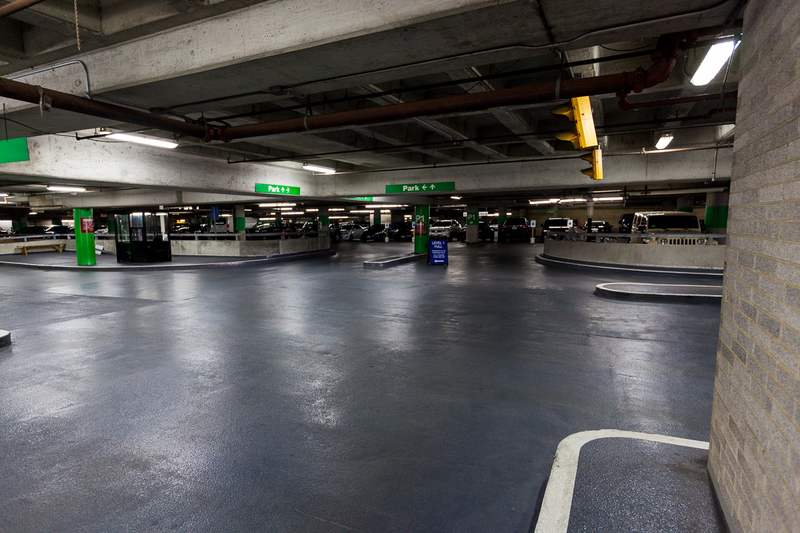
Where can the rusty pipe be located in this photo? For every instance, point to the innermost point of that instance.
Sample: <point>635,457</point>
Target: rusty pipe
<point>665,56</point>
<point>18,5</point>
<point>626,106</point>
<point>669,48</point>
<point>77,104</point>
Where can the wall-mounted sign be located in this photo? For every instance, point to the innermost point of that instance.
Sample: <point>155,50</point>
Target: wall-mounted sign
<point>483,213</point>
<point>361,198</point>
<point>87,225</point>
<point>421,187</point>
<point>277,189</point>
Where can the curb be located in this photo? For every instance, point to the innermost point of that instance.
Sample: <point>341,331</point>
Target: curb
<point>605,291</point>
<point>191,266</point>
<point>631,269</point>
<point>387,262</point>
<point>5,338</point>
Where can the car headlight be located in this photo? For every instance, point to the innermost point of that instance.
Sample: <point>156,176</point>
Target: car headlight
<point>701,241</point>
<point>664,241</point>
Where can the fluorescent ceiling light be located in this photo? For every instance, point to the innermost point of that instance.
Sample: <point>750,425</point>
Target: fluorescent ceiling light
<point>456,197</point>
<point>387,206</point>
<point>664,141</point>
<point>715,58</point>
<point>610,199</point>
<point>3,194</point>
<point>312,210</point>
<point>336,209</point>
<point>362,211</point>
<point>141,140</point>
<point>317,168</point>
<point>33,213</point>
<point>572,200</point>
<point>540,202</point>
<point>277,205</point>
<point>64,188</point>
<point>292,213</point>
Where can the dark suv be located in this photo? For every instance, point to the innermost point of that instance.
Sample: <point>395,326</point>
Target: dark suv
<point>515,229</point>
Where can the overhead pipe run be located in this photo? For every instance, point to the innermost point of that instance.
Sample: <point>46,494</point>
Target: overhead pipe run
<point>18,5</point>
<point>627,106</point>
<point>664,58</point>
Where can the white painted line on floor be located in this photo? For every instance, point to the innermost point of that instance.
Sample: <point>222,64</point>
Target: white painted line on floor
<point>554,516</point>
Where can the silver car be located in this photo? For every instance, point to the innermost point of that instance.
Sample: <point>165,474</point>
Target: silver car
<point>445,229</point>
<point>351,232</point>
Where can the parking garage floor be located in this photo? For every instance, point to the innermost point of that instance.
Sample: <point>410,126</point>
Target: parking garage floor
<point>320,396</point>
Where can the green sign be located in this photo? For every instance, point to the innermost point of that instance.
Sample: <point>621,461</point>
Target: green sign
<point>277,189</point>
<point>14,150</point>
<point>361,198</point>
<point>472,219</point>
<point>422,187</point>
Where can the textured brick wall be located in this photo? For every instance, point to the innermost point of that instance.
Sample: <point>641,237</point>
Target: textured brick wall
<point>755,429</point>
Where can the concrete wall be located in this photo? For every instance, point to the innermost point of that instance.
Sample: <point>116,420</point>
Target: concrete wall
<point>754,458</point>
<point>251,248</point>
<point>638,254</point>
<point>11,247</point>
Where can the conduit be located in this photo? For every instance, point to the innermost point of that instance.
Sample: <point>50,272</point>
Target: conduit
<point>664,58</point>
<point>18,5</point>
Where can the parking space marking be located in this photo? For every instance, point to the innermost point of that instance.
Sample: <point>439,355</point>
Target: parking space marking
<point>554,515</point>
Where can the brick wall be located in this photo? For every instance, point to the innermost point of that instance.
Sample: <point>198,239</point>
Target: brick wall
<point>754,458</point>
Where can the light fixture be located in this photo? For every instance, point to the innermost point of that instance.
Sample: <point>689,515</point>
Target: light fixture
<point>141,140</point>
<point>361,211</point>
<point>664,141</point>
<point>610,199</point>
<point>64,188</point>
<point>267,218</point>
<point>33,213</point>
<point>386,210</point>
<point>715,58</point>
<point>277,205</point>
<point>3,194</point>
<point>540,202</point>
<point>336,209</point>
<point>312,210</point>
<point>455,197</point>
<point>227,215</point>
<point>292,213</point>
<point>387,206</point>
<point>317,168</point>
<point>571,200</point>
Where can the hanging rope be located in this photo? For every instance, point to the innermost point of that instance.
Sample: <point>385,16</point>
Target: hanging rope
<point>77,28</point>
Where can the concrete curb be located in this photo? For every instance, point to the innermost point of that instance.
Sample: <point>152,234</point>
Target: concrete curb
<point>645,269</point>
<point>168,266</point>
<point>5,338</point>
<point>685,296</point>
<point>387,262</point>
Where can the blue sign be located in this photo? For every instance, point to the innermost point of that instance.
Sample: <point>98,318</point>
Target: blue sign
<point>437,252</point>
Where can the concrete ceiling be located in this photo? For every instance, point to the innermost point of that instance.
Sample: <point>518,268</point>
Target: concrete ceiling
<point>241,62</point>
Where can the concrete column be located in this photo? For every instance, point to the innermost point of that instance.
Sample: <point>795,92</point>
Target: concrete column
<point>324,219</point>
<point>686,204</point>
<point>589,214</point>
<point>501,215</point>
<point>472,224</point>
<point>422,215</point>
<point>755,420</point>
<point>238,219</point>
<point>717,212</point>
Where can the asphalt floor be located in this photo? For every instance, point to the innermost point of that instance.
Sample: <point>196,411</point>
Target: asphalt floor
<point>321,396</point>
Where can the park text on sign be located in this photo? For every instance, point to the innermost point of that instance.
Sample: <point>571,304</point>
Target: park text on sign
<point>277,189</point>
<point>422,187</point>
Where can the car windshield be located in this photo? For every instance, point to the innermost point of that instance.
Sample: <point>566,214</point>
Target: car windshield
<point>672,222</point>
<point>516,221</point>
<point>442,224</point>
<point>598,223</point>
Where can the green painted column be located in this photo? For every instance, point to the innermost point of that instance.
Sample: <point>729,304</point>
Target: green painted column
<point>112,224</point>
<point>422,220</point>
<point>324,221</point>
<point>717,211</point>
<point>84,236</point>
<point>501,216</point>
<point>239,223</point>
<point>472,224</point>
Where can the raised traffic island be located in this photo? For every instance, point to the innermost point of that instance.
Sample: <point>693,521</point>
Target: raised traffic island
<point>5,338</point>
<point>695,259</point>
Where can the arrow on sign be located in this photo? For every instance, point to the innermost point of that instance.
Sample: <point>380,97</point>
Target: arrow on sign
<point>433,187</point>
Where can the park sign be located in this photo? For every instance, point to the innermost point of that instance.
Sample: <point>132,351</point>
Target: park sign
<point>421,187</point>
<point>277,189</point>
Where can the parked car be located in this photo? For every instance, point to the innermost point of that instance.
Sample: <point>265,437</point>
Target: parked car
<point>401,231</point>
<point>485,233</point>
<point>648,226</point>
<point>445,229</point>
<point>554,224</point>
<point>373,233</point>
<point>351,232</point>
<point>626,222</point>
<point>515,229</point>
<point>264,226</point>
<point>51,229</point>
<point>308,227</point>
<point>600,226</point>
<point>336,231</point>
